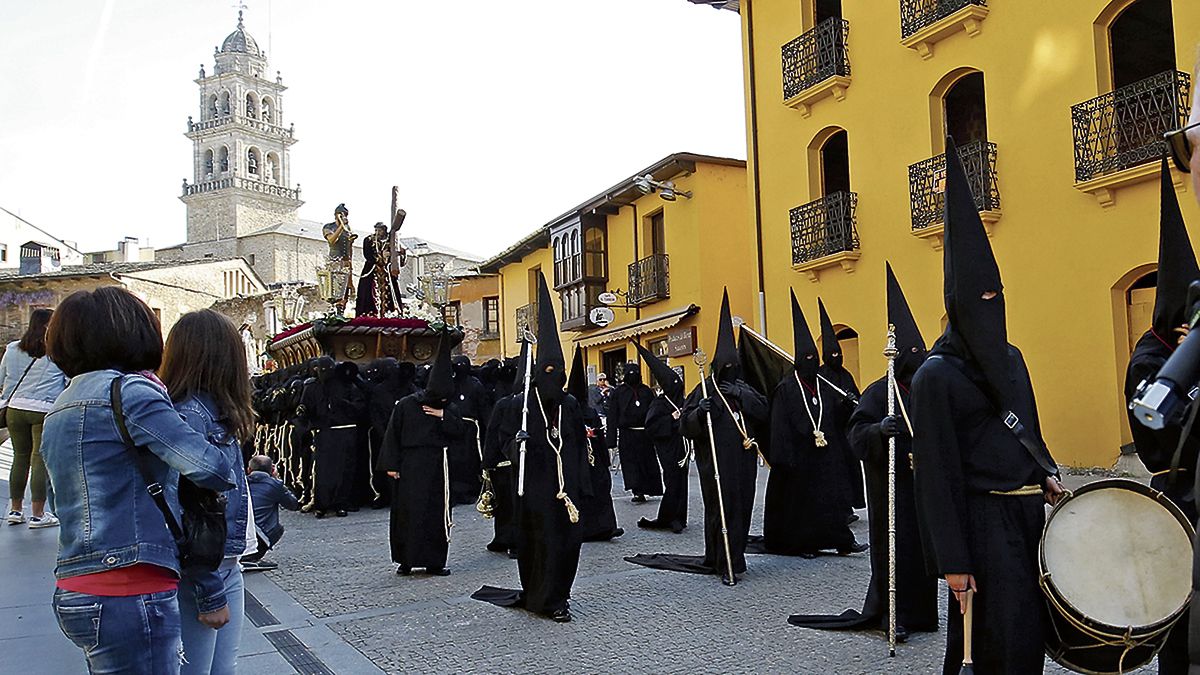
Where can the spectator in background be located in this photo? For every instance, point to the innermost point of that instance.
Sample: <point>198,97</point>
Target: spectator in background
<point>115,554</point>
<point>30,383</point>
<point>268,494</point>
<point>205,370</point>
<point>598,395</point>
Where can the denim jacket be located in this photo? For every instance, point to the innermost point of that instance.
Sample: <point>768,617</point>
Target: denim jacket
<point>39,388</point>
<point>201,415</point>
<point>108,519</point>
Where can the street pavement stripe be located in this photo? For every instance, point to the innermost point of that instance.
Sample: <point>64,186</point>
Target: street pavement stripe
<point>258,614</point>
<point>297,653</point>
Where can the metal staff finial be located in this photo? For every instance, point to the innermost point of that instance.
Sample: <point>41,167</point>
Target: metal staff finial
<point>700,357</point>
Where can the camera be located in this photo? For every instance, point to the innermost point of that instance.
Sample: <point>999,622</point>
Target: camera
<point>1164,400</point>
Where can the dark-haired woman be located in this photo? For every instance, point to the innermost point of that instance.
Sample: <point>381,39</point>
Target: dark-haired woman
<point>204,368</point>
<point>29,383</point>
<point>118,566</point>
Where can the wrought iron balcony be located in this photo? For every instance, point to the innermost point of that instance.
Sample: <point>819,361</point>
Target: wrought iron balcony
<point>918,14</point>
<point>816,56</point>
<point>649,279</point>
<point>927,183</point>
<point>1125,128</point>
<point>526,319</point>
<point>825,227</point>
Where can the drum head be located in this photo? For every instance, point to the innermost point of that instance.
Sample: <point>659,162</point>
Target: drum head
<point>1118,556</point>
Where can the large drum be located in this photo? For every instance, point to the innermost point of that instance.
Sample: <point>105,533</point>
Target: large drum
<point>1116,564</point>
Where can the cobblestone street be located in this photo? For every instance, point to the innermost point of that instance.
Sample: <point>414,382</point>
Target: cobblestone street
<point>627,618</point>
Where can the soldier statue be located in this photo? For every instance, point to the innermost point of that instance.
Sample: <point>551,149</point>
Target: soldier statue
<point>339,266</point>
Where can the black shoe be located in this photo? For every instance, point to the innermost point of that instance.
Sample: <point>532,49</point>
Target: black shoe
<point>438,571</point>
<point>728,581</point>
<point>639,499</point>
<point>380,503</point>
<point>497,548</point>
<point>618,532</point>
<point>561,616</point>
<point>341,513</point>
<point>901,634</point>
<point>678,528</point>
<point>512,554</point>
<point>808,555</point>
<point>320,515</point>
<point>855,548</point>
<point>404,570</point>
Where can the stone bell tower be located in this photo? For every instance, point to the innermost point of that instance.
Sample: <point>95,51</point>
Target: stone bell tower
<point>242,176</point>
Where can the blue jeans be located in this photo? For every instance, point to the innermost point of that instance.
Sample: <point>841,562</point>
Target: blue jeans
<point>134,635</point>
<point>206,650</point>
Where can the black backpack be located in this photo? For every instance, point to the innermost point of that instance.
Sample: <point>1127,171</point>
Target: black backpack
<point>201,537</point>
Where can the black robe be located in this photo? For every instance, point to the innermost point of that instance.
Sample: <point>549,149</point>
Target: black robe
<point>337,444</point>
<point>916,590</point>
<point>416,447</point>
<point>842,379</point>
<point>1157,451</point>
<point>597,518</point>
<point>548,543</point>
<point>808,490</point>
<point>466,452</point>
<point>962,454</point>
<point>383,398</point>
<point>664,431</point>
<point>627,407</point>
<point>739,474</point>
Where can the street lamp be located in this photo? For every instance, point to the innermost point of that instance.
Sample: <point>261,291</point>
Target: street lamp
<point>666,188</point>
<point>435,286</point>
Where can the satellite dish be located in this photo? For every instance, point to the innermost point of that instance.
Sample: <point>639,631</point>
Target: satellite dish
<point>607,298</point>
<point>601,316</point>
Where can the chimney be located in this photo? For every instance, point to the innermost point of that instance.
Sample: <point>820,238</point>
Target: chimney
<point>37,258</point>
<point>129,250</point>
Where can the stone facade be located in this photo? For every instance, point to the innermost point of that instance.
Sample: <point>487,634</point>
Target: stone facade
<point>471,291</point>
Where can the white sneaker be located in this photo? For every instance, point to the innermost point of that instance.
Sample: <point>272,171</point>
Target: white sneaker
<point>15,518</point>
<point>47,520</point>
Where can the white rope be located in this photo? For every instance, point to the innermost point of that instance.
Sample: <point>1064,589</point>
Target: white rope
<point>817,433</point>
<point>572,512</point>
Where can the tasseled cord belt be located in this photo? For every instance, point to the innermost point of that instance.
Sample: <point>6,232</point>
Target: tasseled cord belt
<point>555,441</point>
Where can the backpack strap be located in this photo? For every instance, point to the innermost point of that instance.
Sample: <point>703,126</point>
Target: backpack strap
<point>153,487</point>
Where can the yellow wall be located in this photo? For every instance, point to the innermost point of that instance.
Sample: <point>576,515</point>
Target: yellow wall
<point>1061,253</point>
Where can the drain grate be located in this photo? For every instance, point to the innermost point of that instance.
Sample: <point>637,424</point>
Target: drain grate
<point>297,653</point>
<point>259,616</point>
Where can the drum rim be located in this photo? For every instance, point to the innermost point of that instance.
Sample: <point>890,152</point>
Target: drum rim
<point>1119,483</point>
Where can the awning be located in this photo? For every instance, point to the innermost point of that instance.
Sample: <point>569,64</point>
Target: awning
<point>630,330</point>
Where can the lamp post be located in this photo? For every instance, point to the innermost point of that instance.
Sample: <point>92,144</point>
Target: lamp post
<point>435,288</point>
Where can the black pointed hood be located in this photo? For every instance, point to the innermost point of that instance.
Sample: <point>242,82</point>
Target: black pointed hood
<point>970,271</point>
<point>577,384</point>
<point>909,343</point>
<point>440,385</point>
<point>664,374</point>
<point>805,349</point>
<point>549,369</point>
<point>725,363</point>
<point>1177,267</point>
<point>831,349</point>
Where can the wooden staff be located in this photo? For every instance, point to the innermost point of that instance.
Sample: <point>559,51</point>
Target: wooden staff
<point>701,359</point>
<point>891,353</point>
<point>523,436</point>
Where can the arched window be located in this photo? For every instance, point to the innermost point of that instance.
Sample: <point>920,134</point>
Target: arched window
<point>223,159</point>
<point>251,106</point>
<point>558,271</point>
<point>252,161</point>
<point>964,110</point>
<point>835,164</point>
<point>212,111</point>
<point>1141,42</point>
<point>224,103</point>
<point>272,172</point>
<point>268,110</point>
<point>576,260</point>
<point>208,163</point>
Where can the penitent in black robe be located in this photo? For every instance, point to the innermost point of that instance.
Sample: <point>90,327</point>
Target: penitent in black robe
<point>663,428</point>
<point>842,379</point>
<point>627,407</point>
<point>963,453</point>
<point>739,473</point>
<point>597,517</point>
<point>504,486</point>
<point>466,452</point>
<point>547,542</point>
<point>337,444</point>
<point>416,447</point>
<point>916,590</point>
<point>808,490</point>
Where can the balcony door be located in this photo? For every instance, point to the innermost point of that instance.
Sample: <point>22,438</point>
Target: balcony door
<point>835,164</point>
<point>964,110</point>
<point>826,9</point>
<point>1141,42</point>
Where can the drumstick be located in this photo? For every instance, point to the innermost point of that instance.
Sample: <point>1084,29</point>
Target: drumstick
<point>968,666</point>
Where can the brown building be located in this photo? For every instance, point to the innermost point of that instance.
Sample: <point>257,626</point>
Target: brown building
<point>475,305</point>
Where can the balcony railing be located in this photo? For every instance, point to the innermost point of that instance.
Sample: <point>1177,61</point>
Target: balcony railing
<point>649,279</point>
<point>240,182</point>
<point>927,183</point>
<point>265,127</point>
<point>918,14</point>
<point>526,319</point>
<point>824,227</point>
<point>816,56</point>
<point>1125,128</point>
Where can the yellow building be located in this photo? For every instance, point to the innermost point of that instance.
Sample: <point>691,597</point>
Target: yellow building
<point>1058,109</point>
<point>664,242</point>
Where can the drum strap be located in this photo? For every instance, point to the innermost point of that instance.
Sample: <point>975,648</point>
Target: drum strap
<point>1036,449</point>
<point>1023,491</point>
<point>1183,439</point>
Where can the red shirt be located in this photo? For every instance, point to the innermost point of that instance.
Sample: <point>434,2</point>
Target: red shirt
<point>139,579</point>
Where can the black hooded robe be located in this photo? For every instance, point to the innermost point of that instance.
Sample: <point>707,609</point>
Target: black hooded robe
<point>664,430</point>
<point>466,452</point>
<point>916,590</point>
<point>963,454</point>
<point>597,517</point>
<point>415,446</point>
<point>547,542</point>
<point>337,444</point>
<point>842,379</point>
<point>627,407</point>
<point>807,490</point>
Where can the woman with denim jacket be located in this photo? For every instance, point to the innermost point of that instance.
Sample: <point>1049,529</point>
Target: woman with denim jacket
<point>204,368</point>
<point>118,565</point>
<point>29,384</point>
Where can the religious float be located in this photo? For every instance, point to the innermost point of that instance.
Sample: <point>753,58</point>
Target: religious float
<point>361,339</point>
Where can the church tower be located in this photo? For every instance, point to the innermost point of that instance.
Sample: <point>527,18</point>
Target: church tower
<point>241,178</point>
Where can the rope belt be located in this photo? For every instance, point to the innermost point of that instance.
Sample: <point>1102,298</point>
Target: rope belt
<point>636,428</point>
<point>446,519</point>
<point>572,511</point>
<point>478,435</point>
<point>1023,491</point>
<point>344,426</point>
<point>1167,471</point>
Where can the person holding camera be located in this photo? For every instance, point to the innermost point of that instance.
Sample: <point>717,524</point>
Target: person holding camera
<point>118,565</point>
<point>204,369</point>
